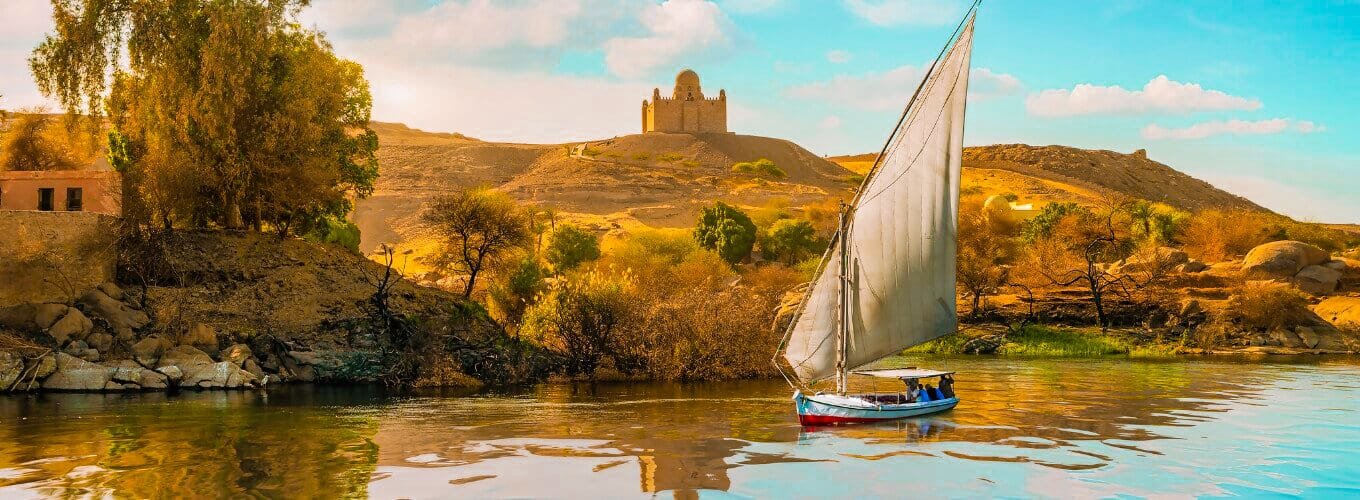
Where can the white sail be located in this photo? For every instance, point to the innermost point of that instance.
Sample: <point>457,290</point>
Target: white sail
<point>900,238</point>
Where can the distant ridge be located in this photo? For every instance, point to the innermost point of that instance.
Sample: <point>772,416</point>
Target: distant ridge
<point>1096,170</point>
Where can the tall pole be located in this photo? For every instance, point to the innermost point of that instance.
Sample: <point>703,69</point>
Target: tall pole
<point>843,335</point>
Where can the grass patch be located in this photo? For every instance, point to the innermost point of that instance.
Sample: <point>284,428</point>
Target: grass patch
<point>669,157</point>
<point>855,179</point>
<point>690,164</point>
<point>762,167</point>
<point>591,152</point>
<point>641,156</point>
<point>1051,341</point>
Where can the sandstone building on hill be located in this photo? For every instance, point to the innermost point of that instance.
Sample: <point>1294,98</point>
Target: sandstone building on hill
<point>686,110</point>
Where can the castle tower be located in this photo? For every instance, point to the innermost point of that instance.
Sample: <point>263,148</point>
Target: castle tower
<point>686,110</point>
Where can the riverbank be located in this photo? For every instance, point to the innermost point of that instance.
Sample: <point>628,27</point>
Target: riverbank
<point>1039,340</point>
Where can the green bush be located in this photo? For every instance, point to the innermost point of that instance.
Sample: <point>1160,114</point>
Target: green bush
<point>641,156</point>
<point>761,167</point>
<point>331,230</point>
<point>727,231</point>
<point>669,157</point>
<point>1043,224</point>
<point>790,241</point>
<point>571,246</point>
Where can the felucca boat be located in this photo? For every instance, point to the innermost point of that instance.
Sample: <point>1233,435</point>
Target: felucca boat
<point>886,282</point>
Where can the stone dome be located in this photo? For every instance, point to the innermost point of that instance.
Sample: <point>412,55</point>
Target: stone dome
<point>687,78</point>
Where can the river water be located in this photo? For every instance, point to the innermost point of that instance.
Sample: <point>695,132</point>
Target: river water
<point>1026,427</point>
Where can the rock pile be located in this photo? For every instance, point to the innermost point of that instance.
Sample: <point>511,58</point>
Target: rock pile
<point>1308,268</point>
<point>94,345</point>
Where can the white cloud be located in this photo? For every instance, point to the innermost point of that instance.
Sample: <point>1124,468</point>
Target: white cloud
<point>751,6</point>
<point>1232,127</point>
<point>837,56</point>
<point>677,29</point>
<point>906,12</point>
<point>1161,94</point>
<point>830,122</point>
<point>890,90</point>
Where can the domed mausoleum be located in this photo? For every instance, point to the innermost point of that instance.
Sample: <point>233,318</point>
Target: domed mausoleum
<point>686,110</point>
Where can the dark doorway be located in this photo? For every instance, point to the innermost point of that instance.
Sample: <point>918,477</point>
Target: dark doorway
<point>74,201</point>
<point>45,199</point>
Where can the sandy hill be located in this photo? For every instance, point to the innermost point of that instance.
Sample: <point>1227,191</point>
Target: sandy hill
<point>654,179</point>
<point>1040,174</point>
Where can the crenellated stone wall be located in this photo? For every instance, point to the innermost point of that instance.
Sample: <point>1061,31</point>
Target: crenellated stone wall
<point>687,110</point>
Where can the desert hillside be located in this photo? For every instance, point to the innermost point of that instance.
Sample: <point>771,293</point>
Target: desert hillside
<point>656,179</point>
<point>1039,174</point>
<point>660,180</point>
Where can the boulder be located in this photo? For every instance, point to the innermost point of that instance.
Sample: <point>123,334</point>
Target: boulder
<point>172,373</point>
<point>148,351</point>
<point>101,341</point>
<point>45,315</point>
<point>1193,266</point>
<point>47,365</point>
<point>11,368</point>
<point>1281,259</point>
<point>115,312</point>
<point>76,348</point>
<point>72,326</point>
<point>1284,338</point>
<point>253,368</point>
<point>128,372</point>
<point>199,370</point>
<point>1317,280</point>
<point>92,355</point>
<point>237,354</point>
<point>75,374</point>
<point>18,317</point>
<point>1342,312</point>
<point>112,291</point>
<point>201,336</point>
<point>1307,336</point>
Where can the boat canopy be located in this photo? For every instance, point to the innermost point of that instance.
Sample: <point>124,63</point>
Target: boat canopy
<point>903,373</point>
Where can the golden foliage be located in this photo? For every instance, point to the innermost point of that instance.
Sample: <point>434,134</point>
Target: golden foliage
<point>1266,306</point>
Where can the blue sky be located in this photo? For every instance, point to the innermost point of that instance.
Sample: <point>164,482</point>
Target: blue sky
<point>1259,98</point>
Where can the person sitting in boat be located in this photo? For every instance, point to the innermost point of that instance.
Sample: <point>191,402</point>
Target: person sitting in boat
<point>947,386</point>
<point>913,389</point>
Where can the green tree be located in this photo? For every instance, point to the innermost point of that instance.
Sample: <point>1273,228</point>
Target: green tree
<point>521,285</point>
<point>571,246</point>
<point>223,111</point>
<point>583,317</point>
<point>1047,221</point>
<point>476,228</point>
<point>790,241</point>
<point>1156,222</point>
<point>726,230</point>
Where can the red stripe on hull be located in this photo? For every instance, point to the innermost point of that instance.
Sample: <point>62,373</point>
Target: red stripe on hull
<point>833,420</point>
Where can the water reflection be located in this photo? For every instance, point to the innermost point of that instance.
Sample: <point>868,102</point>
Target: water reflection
<point>1031,427</point>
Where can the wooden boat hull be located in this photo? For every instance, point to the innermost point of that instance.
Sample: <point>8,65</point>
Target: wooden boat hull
<point>831,409</point>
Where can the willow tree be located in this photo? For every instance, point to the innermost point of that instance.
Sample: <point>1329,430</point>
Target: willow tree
<point>223,112</point>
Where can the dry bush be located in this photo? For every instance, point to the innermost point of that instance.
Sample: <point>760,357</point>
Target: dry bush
<point>1218,235</point>
<point>1267,306</point>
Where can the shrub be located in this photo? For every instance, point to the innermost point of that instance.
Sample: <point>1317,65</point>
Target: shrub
<point>970,191</point>
<point>1047,222</point>
<point>520,285</point>
<point>762,167</point>
<point>591,152</point>
<point>690,164</point>
<point>726,230</point>
<point>1217,235</point>
<point>571,246</point>
<point>1009,196</point>
<point>336,231</point>
<point>670,157</point>
<point>641,156</point>
<point>582,316</point>
<point>1267,306</point>
<point>790,241</point>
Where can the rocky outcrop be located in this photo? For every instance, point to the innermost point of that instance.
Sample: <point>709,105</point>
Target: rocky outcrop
<point>1281,259</point>
<point>75,374</point>
<point>118,315</point>
<point>1317,280</point>
<point>198,370</point>
<point>1342,312</point>
<point>74,325</point>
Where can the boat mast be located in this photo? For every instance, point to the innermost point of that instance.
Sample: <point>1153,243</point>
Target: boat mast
<point>843,336</point>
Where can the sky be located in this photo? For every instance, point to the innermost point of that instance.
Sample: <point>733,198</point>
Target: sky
<point>1259,98</point>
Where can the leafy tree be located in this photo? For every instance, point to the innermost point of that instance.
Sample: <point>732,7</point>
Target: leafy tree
<point>223,111</point>
<point>521,285</point>
<point>476,228</point>
<point>790,241</point>
<point>571,246</point>
<point>583,318</point>
<point>1046,222</point>
<point>984,249</point>
<point>726,230</point>
<point>1156,222</point>
<point>28,145</point>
